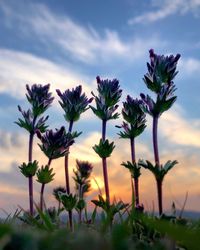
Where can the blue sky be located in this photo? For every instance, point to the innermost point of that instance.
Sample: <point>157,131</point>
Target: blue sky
<point>67,43</point>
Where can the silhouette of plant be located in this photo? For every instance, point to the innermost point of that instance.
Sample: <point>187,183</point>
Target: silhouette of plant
<point>40,100</point>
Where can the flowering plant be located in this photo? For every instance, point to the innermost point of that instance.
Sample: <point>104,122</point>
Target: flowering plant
<point>40,100</point>
<point>159,79</point>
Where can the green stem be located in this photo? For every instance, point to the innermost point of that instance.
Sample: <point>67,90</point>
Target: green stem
<point>104,164</point>
<point>159,189</point>
<point>136,183</point>
<point>67,176</point>
<point>105,175</point>
<point>30,179</point>
<point>42,197</point>
<point>157,161</point>
<point>42,189</point>
<point>30,155</point>
<point>155,140</point>
<point>136,180</point>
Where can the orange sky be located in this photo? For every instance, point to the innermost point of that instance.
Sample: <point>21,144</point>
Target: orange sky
<point>183,178</point>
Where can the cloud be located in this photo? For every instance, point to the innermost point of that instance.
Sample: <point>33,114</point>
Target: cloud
<point>74,41</point>
<point>14,150</point>
<point>64,39</point>
<point>184,177</point>
<point>178,129</point>
<point>189,66</point>
<point>20,68</point>
<point>166,8</point>
<point>8,139</point>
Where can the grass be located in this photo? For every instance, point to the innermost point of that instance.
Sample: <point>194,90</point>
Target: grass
<point>131,231</point>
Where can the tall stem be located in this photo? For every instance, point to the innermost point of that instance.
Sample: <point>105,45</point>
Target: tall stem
<point>30,155</point>
<point>80,194</point>
<point>103,130</point>
<point>136,183</point>
<point>30,179</point>
<point>133,194</point>
<point>155,140</point>
<point>70,126</point>
<point>157,161</point>
<point>42,189</point>
<point>132,141</point>
<point>67,173</point>
<point>42,196</point>
<point>67,176</point>
<point>159,188</point>
<point>70,220</point>
<point>136,180</point>
<point>67,163</point>
<point>105,175</point>
<point>104,164</point>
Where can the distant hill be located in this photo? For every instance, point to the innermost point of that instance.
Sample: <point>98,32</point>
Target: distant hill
<point>190,214</point>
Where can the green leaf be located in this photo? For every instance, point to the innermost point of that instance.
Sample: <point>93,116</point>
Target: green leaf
<point>29,170</point>
<point>69,201</point>
<point>45,175</point>
<point>134,169</point>
<point>159,171</point>
<point>104,149</point>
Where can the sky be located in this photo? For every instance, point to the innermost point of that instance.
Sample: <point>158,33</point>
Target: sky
<point>67,43</point>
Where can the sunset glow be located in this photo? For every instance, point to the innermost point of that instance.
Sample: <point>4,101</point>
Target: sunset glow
<point>44,42</point>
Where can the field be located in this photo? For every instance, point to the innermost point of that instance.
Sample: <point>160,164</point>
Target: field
<point>113,224</point>
<point>136,231</point>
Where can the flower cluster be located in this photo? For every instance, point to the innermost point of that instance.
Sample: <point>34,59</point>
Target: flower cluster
<point>134,117</point>
<point>164,101</point>
<point>73,102</point>
<point>159,79</point>
<point>29,123</point>
<point>55,144</point>
<point>161,71</point>
<point>39,97</point>
<point>109,93</point>
<point>110,90</point>
<point>82,174</point>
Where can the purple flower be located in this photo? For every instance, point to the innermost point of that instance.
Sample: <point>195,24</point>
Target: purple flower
<point>82,174</point>
<point>39,97</point>
<point>29,122</point>
<point>165,99</point>
<point>134,117</point>
<point>84,168</point>
<point>161,71</point>
<point>132,111</point>
<point>73,102</point>
<point>109,90</point>
<point>55,144</point>
<point>107,98</point>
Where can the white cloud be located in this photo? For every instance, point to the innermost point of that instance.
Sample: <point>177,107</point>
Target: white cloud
<point>60,34</point>
<point>178,129</point>
<point>82,43</point>
<point>19,68</point>
<point>189,66</point>
<point>166,8</point>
